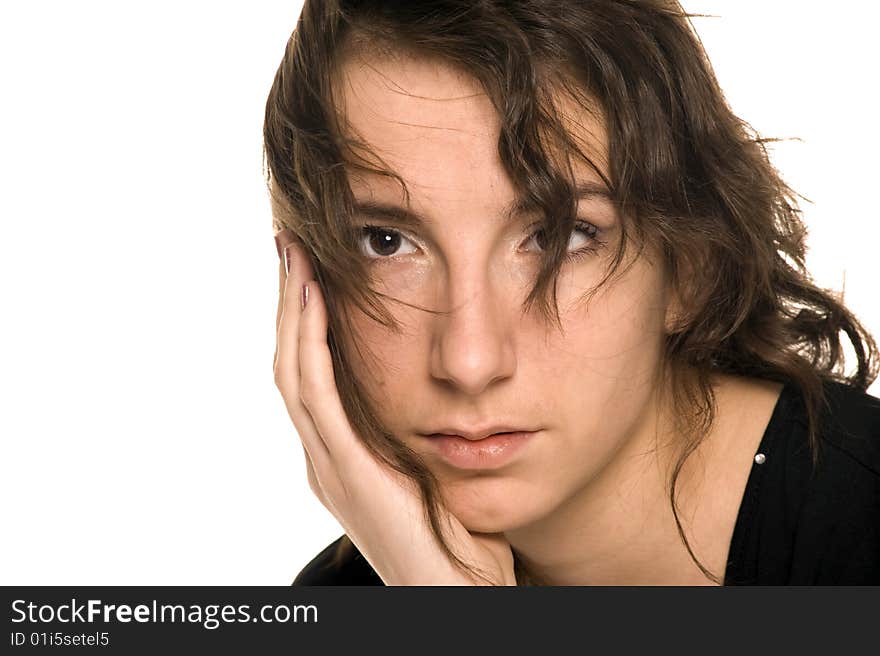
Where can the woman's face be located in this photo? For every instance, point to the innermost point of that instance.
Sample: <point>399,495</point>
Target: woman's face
<point>588,389</point>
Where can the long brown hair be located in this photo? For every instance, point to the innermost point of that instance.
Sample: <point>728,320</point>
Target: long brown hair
<point>688,177</point>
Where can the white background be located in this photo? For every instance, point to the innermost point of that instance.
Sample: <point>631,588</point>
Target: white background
<point>143,439</point>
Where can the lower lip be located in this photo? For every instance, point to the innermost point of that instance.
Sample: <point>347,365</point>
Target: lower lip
<point>488,453</point>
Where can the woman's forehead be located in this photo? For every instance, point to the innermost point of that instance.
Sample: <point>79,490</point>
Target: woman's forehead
<point>436,127</point>
<point>407,83</point>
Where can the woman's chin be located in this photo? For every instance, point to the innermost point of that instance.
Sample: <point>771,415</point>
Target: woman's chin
<point>492,507</point>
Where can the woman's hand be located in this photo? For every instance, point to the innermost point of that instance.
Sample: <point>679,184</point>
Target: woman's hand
<point>380,509</point>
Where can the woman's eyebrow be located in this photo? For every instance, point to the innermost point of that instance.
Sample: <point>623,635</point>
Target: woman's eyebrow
<point>409,217</point>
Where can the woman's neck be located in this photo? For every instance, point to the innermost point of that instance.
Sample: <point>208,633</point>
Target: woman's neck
<point>619,528</point>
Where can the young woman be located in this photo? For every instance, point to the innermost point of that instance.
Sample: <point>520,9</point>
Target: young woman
<point>544,314</point>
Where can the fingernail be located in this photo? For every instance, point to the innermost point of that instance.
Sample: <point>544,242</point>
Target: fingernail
<point>305,295</point>
<point>283,239</point>
<point>287,258</point>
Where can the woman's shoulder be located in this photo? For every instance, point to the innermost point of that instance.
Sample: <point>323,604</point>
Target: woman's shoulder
<point>851,425</point>
<point>813,523</point>
<point>339,563</point>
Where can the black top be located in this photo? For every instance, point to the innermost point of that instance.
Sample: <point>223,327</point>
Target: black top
<point>794,527</point>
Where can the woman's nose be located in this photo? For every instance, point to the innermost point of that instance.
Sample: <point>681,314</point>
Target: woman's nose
<point>473,343</point>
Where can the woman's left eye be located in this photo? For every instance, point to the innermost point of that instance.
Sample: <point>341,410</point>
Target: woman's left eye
<point>588,244</point>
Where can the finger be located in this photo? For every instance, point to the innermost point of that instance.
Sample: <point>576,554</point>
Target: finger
<point>289,247</point>
<point>317,384</point>
<point>286,372</point>
<point>287,328</point>
<point>282,239</point>
<point>281,278</point>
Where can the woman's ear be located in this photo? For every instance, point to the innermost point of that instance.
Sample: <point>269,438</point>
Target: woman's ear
<point>684,292</point>
<point>676,316</point>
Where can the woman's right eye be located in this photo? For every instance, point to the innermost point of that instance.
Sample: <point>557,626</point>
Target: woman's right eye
<point>384,242</point>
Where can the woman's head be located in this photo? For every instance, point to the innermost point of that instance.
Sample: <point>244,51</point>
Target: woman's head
<point>480,359</point>
<point>596,228</point>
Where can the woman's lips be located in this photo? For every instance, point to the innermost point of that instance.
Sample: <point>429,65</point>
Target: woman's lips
<point>487,453</point>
